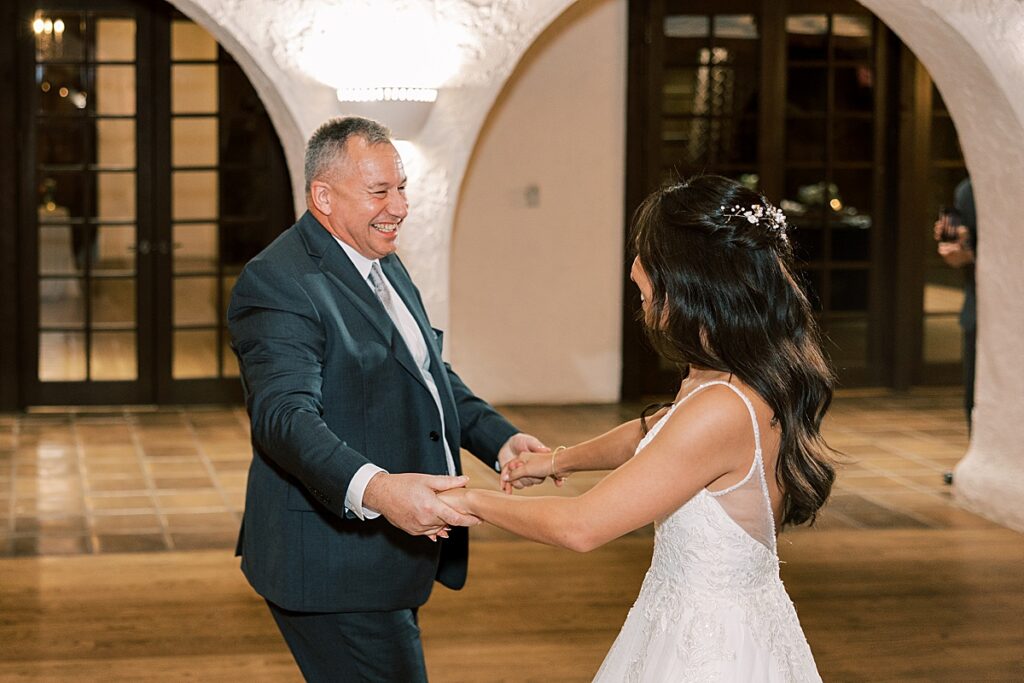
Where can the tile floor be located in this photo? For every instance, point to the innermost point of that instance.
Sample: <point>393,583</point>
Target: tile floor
<point>127,480</point>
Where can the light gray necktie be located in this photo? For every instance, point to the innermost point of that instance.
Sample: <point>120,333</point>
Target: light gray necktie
<point>383,293</point>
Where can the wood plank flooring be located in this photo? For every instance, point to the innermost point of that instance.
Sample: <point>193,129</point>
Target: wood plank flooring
<point>897,583</point>
<point>899,605</point>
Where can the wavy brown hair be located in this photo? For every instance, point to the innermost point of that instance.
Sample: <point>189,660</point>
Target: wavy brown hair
<point>725,298</point>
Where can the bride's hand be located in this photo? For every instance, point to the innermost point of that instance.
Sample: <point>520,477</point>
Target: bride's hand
<point>528,469</point>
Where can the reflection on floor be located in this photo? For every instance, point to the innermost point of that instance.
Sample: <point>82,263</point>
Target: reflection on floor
<point>896,584</point>
<point>174,479</point>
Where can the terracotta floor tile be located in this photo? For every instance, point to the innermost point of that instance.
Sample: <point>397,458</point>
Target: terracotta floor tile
<point>51,545</point>
<point>109,452</point>
<point>192,499</point>
<point>172,451</point>
<point>897,446</point>
<point>99,504</point>
<point>203,521</point>
<point>143,523</point>
<point>209,540</point>
<point>184,467</point>
<point>100,469</point>
<point>238,453</point>
<point>232,480</point>
<point>223,468</point>
<point>74,524</point>
<point>129,483</point>
<point>183,482</point>
<point>32,505</point>
<point>131,543</point>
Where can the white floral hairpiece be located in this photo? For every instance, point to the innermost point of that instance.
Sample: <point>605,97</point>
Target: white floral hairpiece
<point>774,216</point>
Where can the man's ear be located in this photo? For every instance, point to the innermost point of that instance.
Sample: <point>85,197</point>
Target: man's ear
<point>320,195</point>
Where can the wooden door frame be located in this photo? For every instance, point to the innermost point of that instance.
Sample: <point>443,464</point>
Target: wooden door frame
<point>10,387</point>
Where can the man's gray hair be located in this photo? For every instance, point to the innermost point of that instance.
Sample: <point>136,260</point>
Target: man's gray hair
<point>327,145</point>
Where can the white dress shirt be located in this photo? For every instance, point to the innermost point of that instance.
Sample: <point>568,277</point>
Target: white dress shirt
<point>417,346</point>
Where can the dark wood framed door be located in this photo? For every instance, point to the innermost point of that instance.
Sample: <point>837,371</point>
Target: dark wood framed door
<point>148,173</point>
<point>812,102</point>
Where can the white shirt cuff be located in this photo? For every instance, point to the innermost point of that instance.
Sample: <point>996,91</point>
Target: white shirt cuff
<point>356,489</point>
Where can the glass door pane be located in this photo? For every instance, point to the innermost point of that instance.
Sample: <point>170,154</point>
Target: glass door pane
<point>830,170</point>
<point>195,208</point>
<point>85,160</point>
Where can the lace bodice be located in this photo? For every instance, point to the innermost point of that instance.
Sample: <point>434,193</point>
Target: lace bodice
<point>713,591</point>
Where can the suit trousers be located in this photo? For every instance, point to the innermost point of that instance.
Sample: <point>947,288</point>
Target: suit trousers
<point>356,647</point>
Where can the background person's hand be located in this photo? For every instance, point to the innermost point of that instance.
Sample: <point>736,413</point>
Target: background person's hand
<point>517,445</point>
<point>957,254</point>
<point>410,502</point>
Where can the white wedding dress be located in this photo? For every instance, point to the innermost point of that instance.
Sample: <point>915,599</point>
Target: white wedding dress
<point>712,606</point>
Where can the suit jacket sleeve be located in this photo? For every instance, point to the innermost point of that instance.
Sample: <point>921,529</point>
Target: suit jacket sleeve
<point>280,342</point>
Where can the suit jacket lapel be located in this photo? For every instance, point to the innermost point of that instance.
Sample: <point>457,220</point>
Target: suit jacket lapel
<point>343,274</point>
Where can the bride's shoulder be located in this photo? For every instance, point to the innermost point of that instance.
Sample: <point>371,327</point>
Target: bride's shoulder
<point>715,410</point>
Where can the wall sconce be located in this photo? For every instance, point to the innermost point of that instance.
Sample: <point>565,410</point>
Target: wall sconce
<point>403,110</point>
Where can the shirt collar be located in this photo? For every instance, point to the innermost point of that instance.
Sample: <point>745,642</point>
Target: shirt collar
<point>362,264</point>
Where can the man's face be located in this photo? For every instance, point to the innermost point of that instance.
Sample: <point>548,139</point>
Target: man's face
<point>367,197</point>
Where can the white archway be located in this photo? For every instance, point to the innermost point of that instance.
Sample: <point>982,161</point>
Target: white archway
<point>974,53</point>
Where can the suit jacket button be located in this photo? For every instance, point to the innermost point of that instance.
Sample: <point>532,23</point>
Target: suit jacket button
<point>434,436</point>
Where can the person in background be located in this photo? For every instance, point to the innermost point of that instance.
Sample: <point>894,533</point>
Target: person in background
<point>957,235</point>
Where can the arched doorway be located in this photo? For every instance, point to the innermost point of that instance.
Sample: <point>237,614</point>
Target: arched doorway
<point>149,174</point>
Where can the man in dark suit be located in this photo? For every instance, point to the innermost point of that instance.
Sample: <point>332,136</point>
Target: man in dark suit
<point>356,423</point>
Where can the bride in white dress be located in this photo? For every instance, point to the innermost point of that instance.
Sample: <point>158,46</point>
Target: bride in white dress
<point>737,456</point>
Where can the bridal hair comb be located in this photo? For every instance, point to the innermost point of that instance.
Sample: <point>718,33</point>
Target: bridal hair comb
<point>772,215</point>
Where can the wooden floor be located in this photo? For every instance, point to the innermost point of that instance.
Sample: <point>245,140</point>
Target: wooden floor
<point>901,605</point>
<point>897,583</point>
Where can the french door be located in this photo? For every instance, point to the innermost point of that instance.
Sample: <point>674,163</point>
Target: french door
<point>149,174</point>
<point>818,104</point>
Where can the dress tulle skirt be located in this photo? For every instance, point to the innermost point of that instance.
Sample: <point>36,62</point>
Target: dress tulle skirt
<point>696,645</point>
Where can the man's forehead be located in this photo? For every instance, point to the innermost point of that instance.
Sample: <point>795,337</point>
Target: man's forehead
<point>378,164</point>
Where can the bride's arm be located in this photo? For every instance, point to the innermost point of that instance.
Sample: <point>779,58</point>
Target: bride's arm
<point>710,438</point>
<point>605,452</point>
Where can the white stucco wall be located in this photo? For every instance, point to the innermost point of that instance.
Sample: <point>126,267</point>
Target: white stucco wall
<point>536,285</point>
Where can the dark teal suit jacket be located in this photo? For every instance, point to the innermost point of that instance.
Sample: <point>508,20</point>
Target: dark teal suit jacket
<point>330,386</point>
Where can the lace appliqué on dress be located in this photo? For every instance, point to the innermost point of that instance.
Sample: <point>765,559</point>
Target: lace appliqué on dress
<point>712,606</point>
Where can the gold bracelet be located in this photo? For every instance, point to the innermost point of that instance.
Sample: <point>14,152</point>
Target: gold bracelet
<point>553,454</point>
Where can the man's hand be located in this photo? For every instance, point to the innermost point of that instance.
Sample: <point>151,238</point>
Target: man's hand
<point>410,502</point>
<point>517,444</point>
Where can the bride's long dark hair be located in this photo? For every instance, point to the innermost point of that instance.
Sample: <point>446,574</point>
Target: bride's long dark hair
<point>724,298</point>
